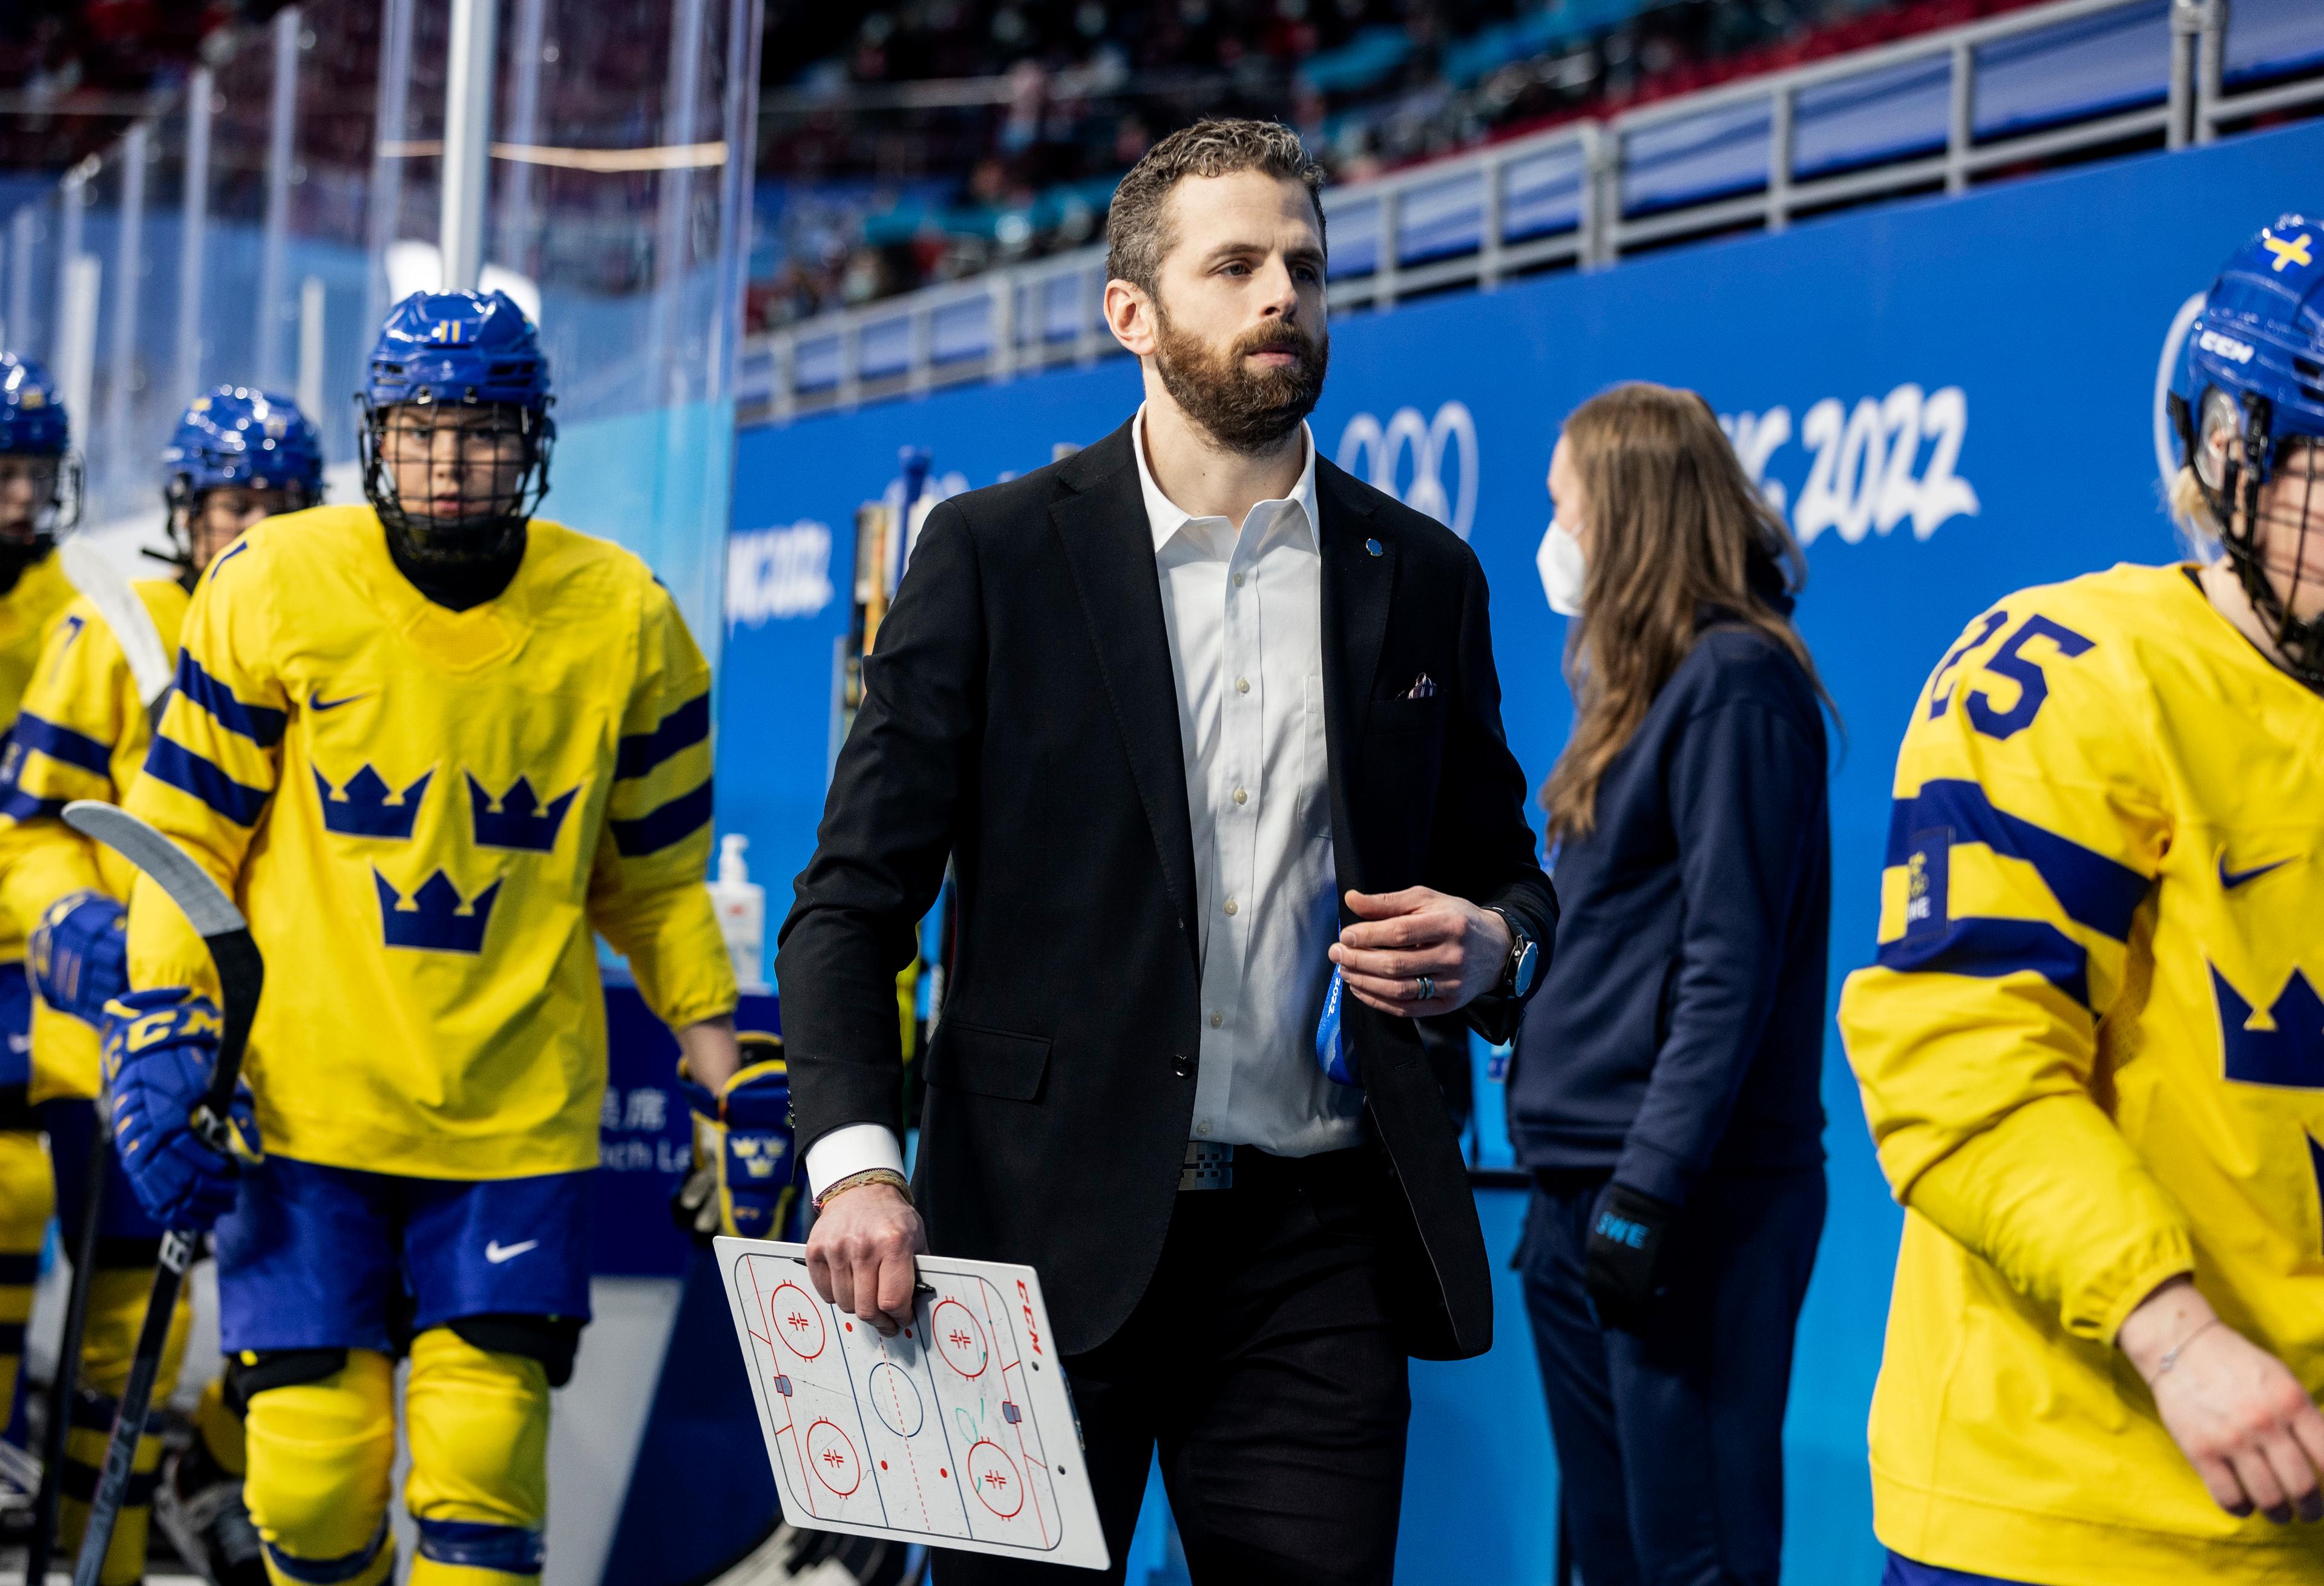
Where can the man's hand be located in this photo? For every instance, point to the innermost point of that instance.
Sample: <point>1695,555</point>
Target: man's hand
<point>1402,937</point>
<point>859,1254</point>
<point>2237,1412</point>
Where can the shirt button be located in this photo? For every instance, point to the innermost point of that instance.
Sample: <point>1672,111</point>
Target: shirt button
<point>1242,795</point>
<point>1217,1018</point>
<point>1242,685</point>
<point>1230,906</point>
<point>1202,1126</point>
<point>1238,580</point>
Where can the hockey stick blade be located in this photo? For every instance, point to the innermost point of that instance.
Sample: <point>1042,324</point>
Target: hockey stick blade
<point>242,975</point>
<point>101,584</point>
<point>207,907</point>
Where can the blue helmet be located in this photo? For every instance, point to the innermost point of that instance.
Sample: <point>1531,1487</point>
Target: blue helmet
<point>458,347</point>
<point>33,423</point>
<point>462,360</point>
<point>236,436</point>
<point>32,419</point>
<point>2254,380</point>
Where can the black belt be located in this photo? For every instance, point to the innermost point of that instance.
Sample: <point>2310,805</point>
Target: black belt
<point>1210,1165</point>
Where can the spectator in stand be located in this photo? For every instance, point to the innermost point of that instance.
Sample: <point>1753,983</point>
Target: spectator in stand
<point>1045,99</point>
<point>1665,1089</point>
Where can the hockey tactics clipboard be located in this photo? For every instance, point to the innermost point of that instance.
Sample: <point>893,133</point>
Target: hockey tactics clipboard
<point>958,1432</point>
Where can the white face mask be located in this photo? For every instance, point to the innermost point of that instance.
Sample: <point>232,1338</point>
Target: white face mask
<point>1563,570</point>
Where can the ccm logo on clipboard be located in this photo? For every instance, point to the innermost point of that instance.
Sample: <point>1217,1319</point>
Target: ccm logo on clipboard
<point>1025,1303</point>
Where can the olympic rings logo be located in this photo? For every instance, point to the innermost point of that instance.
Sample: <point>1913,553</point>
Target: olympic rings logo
<point>1372,451</point>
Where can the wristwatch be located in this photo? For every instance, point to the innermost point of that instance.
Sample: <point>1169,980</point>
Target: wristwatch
<point>1524,958</point>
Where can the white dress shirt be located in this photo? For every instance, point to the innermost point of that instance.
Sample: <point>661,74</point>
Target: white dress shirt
<point>1244,612</point>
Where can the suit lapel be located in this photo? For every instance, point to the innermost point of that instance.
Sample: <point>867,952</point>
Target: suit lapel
<point>1358,585</point>
<point>1110,548</point>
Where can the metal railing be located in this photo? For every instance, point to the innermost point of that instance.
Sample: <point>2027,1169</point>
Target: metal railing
<point>1954,106</point>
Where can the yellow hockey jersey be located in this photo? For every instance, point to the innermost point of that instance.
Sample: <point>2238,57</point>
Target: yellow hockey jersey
<point>2092,1054</point>
<point>81,732</point>
<point>25,613</point>
<point>424,814</point>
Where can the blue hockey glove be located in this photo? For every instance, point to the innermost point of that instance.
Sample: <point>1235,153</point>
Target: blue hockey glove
<point>1622,1270</point>
<point>743,1180</point>
<point>79,954</point>
<point>160,1047</point>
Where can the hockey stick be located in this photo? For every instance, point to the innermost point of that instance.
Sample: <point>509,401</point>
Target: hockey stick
<point>241,975</point>
<point>65,1379</point>
<point>100,583</point>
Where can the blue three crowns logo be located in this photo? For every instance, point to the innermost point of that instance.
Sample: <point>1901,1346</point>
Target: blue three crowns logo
<point>2290,1051</point>
<point>365,808</point>
<point>519,822</point>
<point>435,917</point>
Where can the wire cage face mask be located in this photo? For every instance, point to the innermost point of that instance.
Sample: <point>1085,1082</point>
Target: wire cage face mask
<point>2229,441</point>
<point>455,482</point>
<point>57,492</point>
<point>187,500</point>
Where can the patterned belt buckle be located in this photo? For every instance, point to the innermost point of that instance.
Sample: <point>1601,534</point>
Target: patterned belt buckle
<point>1207,1166</point>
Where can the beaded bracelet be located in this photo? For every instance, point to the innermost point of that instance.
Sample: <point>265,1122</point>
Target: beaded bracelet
<point>887,1176</point>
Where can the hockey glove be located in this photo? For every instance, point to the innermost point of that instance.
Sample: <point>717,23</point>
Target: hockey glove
<point>741,1182</point>
<point>1626,1234</point>
<point>79,954</point>
<point>160,1047</point>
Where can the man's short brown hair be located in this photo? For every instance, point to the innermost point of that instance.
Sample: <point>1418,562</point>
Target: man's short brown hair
<point>1137,228</point>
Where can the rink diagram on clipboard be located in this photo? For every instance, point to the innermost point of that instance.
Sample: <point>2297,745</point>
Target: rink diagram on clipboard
<point>933,1431</point>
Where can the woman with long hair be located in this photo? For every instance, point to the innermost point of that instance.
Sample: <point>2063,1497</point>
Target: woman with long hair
<point>1666,1091</point>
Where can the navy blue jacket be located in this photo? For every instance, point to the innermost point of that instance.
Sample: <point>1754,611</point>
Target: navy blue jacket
<point>1679,1028</point>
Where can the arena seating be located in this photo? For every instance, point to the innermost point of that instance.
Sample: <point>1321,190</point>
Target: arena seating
<point>940,138</point>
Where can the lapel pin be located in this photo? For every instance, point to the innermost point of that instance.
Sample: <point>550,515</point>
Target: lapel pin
<point>1372,546</point>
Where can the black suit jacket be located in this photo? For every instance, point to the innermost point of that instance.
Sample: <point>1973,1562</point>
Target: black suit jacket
<point>1019,717</point>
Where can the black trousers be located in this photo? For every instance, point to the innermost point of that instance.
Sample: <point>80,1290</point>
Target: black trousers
<point>1670,1446</point>
<point>1261,1363</point>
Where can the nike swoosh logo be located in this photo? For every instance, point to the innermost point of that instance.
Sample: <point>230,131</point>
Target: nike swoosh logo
<point>317,702</point>
<point>496,1252</point>
<point>2229,879</point>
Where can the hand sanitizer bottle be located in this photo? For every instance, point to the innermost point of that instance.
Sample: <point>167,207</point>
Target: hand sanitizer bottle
<point>741,907</point>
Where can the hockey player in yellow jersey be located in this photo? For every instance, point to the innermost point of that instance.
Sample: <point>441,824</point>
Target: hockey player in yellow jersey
<point>430,746</point>
<point>40,498</point>
<point>2092,1045</point>
<point>236,456</point>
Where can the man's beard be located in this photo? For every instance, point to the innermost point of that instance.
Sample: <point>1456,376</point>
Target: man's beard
<point>1243,409</point>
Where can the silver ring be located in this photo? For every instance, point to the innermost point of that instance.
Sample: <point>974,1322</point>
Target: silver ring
<point>1427,991</point>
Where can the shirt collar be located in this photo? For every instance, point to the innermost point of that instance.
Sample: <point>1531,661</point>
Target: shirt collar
<point>1167,517</point>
